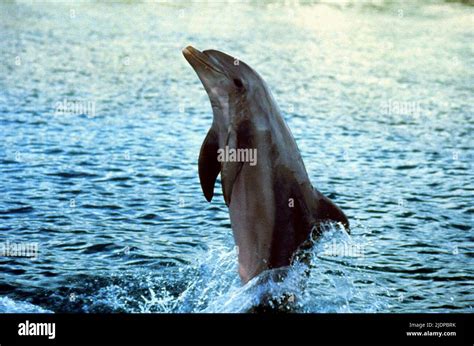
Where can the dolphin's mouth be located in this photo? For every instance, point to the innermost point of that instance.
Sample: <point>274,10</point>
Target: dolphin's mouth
<point>194,57</point>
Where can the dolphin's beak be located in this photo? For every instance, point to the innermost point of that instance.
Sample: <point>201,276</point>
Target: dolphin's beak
<point>190,51</point>
<point>199,60</point>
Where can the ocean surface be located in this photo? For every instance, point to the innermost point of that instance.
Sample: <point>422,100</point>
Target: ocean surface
<point>101,122</point>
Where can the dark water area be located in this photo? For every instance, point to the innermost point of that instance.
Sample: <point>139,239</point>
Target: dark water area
<point>101,122</point>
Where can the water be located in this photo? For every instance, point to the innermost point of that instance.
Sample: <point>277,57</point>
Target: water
<point>379,97</point>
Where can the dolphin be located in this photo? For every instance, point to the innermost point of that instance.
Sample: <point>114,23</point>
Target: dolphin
<point>272,204</point>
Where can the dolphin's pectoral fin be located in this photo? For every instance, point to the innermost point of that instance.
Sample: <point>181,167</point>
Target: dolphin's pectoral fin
<point>230,169</point>
<point>209,166</point>
<point>240,138</point>
<point>328,211</point>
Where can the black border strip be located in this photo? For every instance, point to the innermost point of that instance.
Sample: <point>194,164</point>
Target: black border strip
<point>275,329</point>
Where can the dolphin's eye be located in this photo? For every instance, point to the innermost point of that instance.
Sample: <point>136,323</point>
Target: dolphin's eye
<point>238,83</point>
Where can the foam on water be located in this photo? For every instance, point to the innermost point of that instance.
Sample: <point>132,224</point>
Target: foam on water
<point>8,305</point>
<point>211,284</point>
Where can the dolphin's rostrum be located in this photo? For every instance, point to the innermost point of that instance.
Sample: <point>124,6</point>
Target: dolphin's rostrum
<point>273,206</point>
